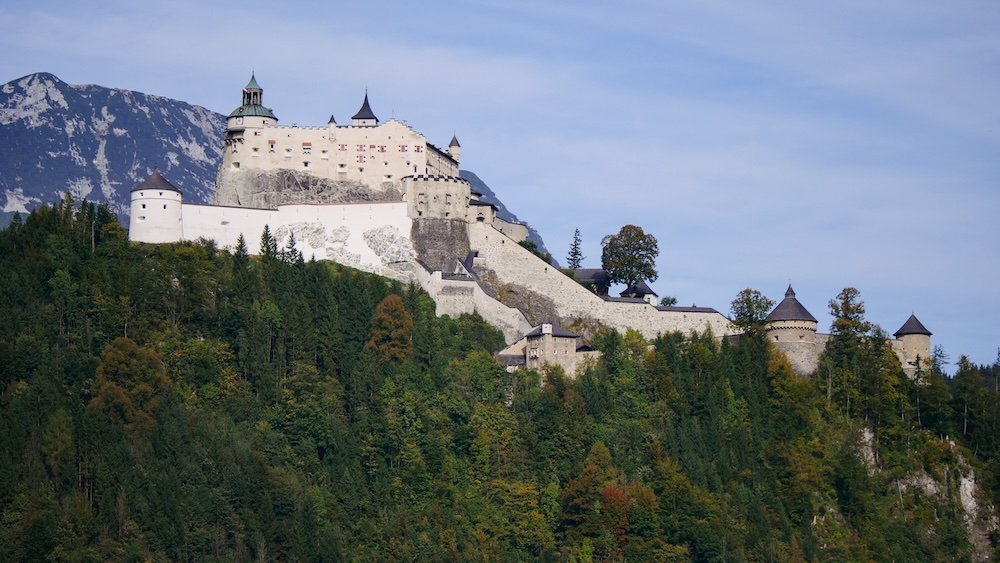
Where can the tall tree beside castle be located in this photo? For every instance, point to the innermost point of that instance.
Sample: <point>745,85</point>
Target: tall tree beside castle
<point>630,256</point>
<point>575,257</point>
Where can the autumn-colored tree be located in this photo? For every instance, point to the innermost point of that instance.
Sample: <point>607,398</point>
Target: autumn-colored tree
<point>392,330</point>
<point>131,383</point>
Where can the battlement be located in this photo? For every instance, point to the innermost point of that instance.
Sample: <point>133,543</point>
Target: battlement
<point>437,178</point>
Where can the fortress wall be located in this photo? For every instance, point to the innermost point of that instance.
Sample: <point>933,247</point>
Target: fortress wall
<point>803,355</point>
<point>458,297</point>
<point>512,264</point>
<point>515,231</point>
<point>377,155</point>
<point>372,237</point>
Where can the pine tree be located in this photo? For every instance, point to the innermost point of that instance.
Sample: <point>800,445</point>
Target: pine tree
<point>575,256</point>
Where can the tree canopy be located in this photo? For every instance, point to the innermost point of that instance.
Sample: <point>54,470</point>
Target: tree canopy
<point>630,256</point>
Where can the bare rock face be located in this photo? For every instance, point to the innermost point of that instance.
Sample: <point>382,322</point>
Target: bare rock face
<point>440,243</point>
<point>393,249</point>
<point>267,189</point>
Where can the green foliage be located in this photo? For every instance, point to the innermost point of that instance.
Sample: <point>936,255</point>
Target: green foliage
<point>176,402</point>
<point>749,310</point>
<point>630,256</point>
<point>575,257</point>
<point>532,247</point>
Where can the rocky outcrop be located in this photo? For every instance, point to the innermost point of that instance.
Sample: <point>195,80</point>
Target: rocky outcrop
<point>267,189</point>
<point>440,243</point>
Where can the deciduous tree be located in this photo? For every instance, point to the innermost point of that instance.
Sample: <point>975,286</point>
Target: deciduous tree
<point>630,256</point>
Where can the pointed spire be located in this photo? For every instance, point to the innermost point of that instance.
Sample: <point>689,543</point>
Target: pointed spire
<point>912,326</point>
<point>789,292</point>
<point>454,142</point>
<point>366,110</point>
<point>332,120</point>
<point>253,82</point>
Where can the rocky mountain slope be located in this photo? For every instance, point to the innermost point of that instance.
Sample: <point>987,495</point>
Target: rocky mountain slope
<point>98,143</point>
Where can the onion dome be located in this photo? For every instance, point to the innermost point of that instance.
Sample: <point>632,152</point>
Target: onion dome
<point>912,326</point>
<point>790,309</point>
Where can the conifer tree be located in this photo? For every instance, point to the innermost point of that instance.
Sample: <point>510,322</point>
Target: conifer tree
<point>575,257</point>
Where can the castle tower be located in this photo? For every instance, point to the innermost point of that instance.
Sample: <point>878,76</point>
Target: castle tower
<point>790,321</point>
<point>455,149</point>
<point>915,340</point>
<point>252,112</point>
<point>155,211</point>
<point>365,116</point>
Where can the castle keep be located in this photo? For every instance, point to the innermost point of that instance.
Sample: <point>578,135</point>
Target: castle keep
<point>378,196</point>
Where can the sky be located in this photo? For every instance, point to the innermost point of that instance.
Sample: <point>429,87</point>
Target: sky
<point>822,144</point>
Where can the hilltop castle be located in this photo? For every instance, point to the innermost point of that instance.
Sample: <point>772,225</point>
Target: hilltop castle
<point>379,197</point>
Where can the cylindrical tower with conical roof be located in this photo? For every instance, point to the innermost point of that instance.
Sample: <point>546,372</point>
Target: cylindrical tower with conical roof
<point>915,341</point>
<point>790,321</point>
<point>155,211</point>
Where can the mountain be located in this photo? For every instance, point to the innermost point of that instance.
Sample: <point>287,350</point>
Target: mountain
<point>98,143</point>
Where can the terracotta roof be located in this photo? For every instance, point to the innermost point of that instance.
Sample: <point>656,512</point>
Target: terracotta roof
<point>366,111</point>
<point>156,181</point>
<point>790,309</point>
<point>557,330</point>
<point>912,326</point>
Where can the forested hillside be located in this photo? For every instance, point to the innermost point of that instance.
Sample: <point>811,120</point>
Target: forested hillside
<point>177,402</point>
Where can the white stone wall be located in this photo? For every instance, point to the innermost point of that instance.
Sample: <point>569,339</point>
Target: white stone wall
<point>514,265</point>
<point>376,156</point>
<point>373,237</point>
<point>155,216</point>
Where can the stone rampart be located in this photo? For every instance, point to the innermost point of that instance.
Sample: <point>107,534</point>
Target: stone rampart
<point>511,264</point>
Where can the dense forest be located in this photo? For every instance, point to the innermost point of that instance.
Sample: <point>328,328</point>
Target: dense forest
<point>180,402</point>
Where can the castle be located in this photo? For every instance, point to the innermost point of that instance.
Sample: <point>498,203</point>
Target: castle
<point>379,197</point>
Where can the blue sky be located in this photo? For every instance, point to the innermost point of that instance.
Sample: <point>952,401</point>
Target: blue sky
<point>829,144</point>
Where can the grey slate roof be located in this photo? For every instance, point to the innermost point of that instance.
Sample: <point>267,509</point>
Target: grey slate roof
<point>480,203</point>
<point>454,142</point>
<point>511,359</point>
<point>639,289</point>
<point>912,326</point>
<point>691,309</point>
<point>557,330</point>
<point>332,120</point>
<point>592,275</point>
<point>790,309</point>
<point>366,111</point>
<point>156,181</point>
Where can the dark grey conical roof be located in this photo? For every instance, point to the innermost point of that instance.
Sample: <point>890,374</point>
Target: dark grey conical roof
<point>366,111</point>
<point>790,309</point>
<point>156,181</point>
<point>912,326</point>
<point>332,120</point>
<point>454,142</point>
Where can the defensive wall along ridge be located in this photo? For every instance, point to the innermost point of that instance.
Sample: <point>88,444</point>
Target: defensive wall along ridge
<point>502,262</point>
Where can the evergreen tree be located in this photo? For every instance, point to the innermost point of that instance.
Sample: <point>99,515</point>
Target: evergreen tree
<point>575,257</point>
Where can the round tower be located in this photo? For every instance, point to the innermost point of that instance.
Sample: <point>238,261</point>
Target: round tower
<point>251,112</point>
<point>790,321</point>
<point>155,211</point>
<point>915,340</point>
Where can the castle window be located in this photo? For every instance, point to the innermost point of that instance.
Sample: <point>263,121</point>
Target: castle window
<point>307,149</point>
<point>144,206</point>
<point>161,193</point>
<point>255,149</point>
<point>403,148</point>
<point>361,148</point>
<point>341,147</point>
<point>381,148</point>
<point>418,148</point>
<point>342,165</point>
<point>236,165</point>
<point>305,164</point>
<point>361,158</point>
<point>142,217</point>
<point>164,205</point>
<point>361,169</point>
